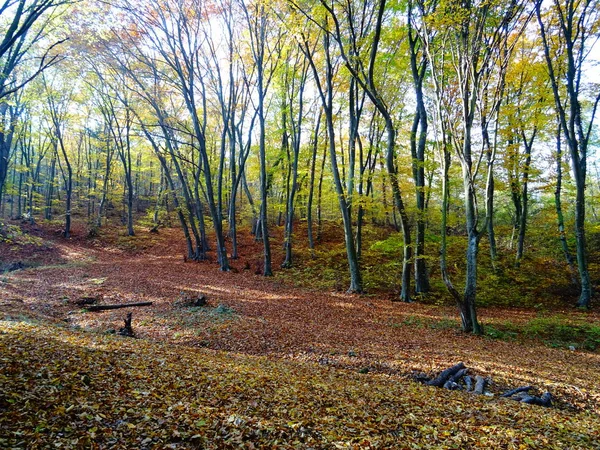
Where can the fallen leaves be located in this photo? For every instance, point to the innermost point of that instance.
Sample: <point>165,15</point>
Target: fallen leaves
<point>281,369</point>
<point>141,394</point>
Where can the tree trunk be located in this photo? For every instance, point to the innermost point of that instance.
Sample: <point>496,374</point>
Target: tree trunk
<point>525,196</point>
<point>558,204</point>
<point>50,189</point>
<point>309,217</point>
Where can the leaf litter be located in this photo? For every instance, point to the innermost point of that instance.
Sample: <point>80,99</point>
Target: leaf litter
<point>276,366</point>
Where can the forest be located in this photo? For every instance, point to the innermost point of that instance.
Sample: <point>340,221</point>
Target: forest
<point>322,223</point>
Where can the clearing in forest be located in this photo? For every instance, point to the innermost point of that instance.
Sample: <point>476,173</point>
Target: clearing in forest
<point>263,364</point>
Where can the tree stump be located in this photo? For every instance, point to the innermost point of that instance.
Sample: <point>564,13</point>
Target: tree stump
<point>127,330</point>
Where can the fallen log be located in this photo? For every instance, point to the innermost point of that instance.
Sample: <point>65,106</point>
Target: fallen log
<point>94,308</point>
<point>468,383</point>
<point>516,391</point>
<point>200,301</point>
<point>544,400</point>
<point>454,377</point>
<point>452,386</point>
<point>445,375</point>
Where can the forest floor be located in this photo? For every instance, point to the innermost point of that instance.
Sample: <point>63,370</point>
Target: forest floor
<point>266,363</point>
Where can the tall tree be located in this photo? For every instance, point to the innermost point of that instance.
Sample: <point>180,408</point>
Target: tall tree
<point>168,38</point>
<point>265,49</point>
<point>568,29</point>
<point>364,74</point>
<point>59,98</point>
<point>324,81</point>
<point>296,75</point>
<point>418,67</point>
<point>23,28</point>
<point>473,34</point>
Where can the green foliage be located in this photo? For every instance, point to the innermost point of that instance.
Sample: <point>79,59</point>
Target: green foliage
<point>555,331</point>
<point>392,246</point>
<point>13,234</point>
<point>501,334</point>
<point>560,331</point>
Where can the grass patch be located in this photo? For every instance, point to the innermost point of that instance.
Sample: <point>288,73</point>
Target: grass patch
<point>555,331</point>
<point>203,317</point>
<point>14,235</point>
<point>71,264</point>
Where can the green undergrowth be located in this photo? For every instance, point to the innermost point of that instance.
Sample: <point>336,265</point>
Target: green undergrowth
<point>13,234</point>
<point>555,331</point>
<point>542,281</point>
<point>444,323</point>
<point>139,242</point>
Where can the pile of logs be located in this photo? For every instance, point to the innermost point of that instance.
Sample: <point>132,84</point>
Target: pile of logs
<point>457,378</point>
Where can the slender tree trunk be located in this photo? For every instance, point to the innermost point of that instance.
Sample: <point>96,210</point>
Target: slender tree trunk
<point>489,188</point>
<point>559,213</point>
<point>572,32</point>
<point>68,194</point>
<point>189,204</point>
<point>264,226</point>
<point>320,197</point>
<point>309,217</point>
<point>444,225</point>
<point>50,189</point>
<point>418,69</point>
<point>296,141</point>
<point>467,306</point>
<point>399,204</point>
<point>20,191</point>
<point>525,196</point>
<point>326,94</point>
<point>355,276</point>
<point>159,196</point>
<point>582,260</point>
<point>232,200</point>
<point>184,226</point>
<point>105,181</point>
<point>128,169</point>
<point>170,184</point>
<point>129,182</point>
<point>203,246</point>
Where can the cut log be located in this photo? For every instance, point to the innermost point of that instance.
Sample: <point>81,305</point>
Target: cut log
<point>516,391</point>
<point>480,384</point>
<point>15,266</point>
<point>461,373</point>
<point>452,386</point>
<point>445,375</point>
<point>123,305</point>
<point>544,400</point>
<point>469,383</point>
